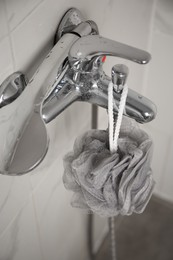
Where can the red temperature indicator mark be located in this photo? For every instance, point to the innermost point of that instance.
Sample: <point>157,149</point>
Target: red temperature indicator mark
<point>104,59</point>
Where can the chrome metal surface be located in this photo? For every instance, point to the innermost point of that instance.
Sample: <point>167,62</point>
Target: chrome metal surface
<point>119,75</point>
<point>69,22</point>
<point>33,134</point>
<point>73,21</point>
<point>72,71</point>
<point>45,81</point>
<point>92,87</point>
<point>31,148</point>
<point>85,28</point>
<point>92,46</point>
<point>11,88</point>
<point>138,107</point>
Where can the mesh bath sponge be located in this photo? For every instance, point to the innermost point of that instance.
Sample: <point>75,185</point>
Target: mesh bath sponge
<point>107,183</point>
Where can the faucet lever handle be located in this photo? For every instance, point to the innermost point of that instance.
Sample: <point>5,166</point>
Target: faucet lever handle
<point>90,46</point>
<point>119,74</point>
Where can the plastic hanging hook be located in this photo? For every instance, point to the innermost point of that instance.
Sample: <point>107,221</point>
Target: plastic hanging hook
<point>119,75</point>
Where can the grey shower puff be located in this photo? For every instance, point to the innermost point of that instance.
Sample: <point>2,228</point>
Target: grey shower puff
<point>110,184</point>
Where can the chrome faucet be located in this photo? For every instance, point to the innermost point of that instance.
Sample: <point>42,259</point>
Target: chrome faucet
<point>85,79</point>
<point>72,71</point>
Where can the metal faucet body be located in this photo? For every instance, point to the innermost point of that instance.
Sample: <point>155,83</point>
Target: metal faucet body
<point>72,71</point>
<point>91,85</point>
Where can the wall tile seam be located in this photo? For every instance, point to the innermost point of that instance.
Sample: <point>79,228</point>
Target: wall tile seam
<point>18,216</point>
<point>33,192</point>
<point>8,226</point>
<point>4,36</point>
<point>10,32</point>
<point>37,227</point>
<point>4,22</point>
<point>31,195</point>
<point>26,17</point>
<point>9,36</point>
<point>9,68</point>
<point>26,202</point>
<point>38,186</point>
<point>149,47</point>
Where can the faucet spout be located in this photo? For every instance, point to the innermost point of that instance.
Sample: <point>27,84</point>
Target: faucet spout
<point>87,47</point>
<point>138,107</point>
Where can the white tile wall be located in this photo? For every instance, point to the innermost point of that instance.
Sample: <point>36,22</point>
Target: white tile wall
<point>63,226</point>
<point>21,239</point>
<point>3,22</point>
<point>36,219</point>
<point>164,21</point>
<point>18,11</point>
<point>14,194</point>
<point>6,64</point>
<point>159,89</point>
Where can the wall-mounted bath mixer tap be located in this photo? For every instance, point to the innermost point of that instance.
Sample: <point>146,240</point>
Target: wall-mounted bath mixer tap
<point>72,71</point>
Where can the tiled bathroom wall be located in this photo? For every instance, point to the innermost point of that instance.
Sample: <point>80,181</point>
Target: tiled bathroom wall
<point>158,86</point>
<point>36,219</point>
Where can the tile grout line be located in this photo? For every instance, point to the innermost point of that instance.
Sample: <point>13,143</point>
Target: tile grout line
<point>9,35</point>
<point>2,38</point>
<point>37,226</point>
<point>29,13</point>
<point>15,216</point>
<point>7,196</point>
<point>145,80</point>
<point>10,31</point>
<point>149,46</point>
<point>36,222</point>
<point>6,33</point>
<point>33,190</point>
<point>19,211</point>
